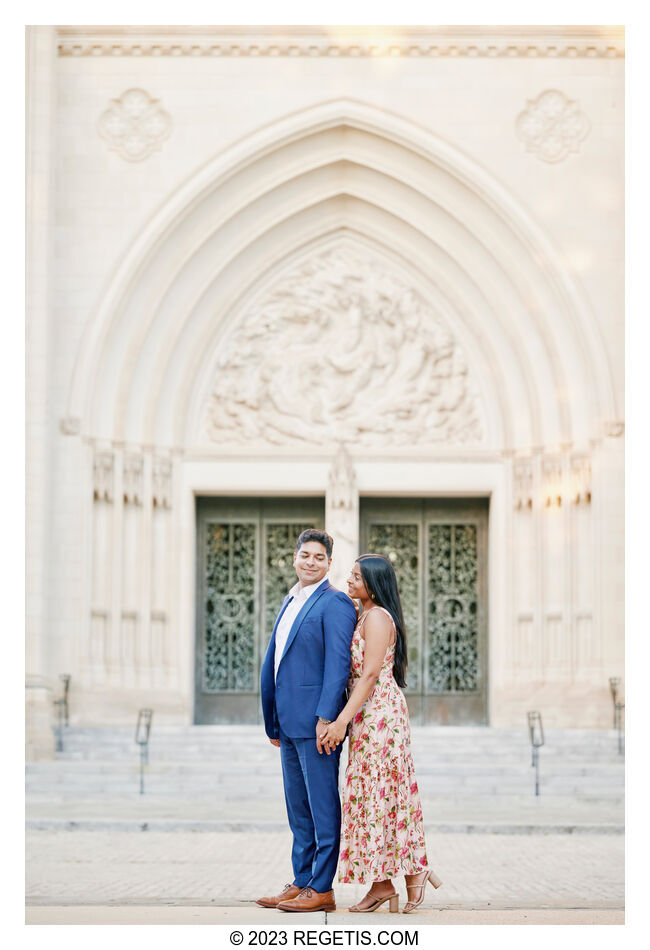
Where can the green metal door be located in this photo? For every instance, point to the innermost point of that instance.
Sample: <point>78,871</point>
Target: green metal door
<point>245,568</point>
<point>438,548</point>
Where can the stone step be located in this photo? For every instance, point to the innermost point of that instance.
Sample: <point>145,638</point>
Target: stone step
<point>484,734</point>
<point>217,748</point>
<point>237,773</point>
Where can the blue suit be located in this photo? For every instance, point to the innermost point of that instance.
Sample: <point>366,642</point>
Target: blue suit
<point>311,681</point>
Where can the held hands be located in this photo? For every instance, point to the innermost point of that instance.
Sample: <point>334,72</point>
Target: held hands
<point>331,735</point>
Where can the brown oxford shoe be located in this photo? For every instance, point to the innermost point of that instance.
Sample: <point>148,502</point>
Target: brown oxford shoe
<point>308,901</point>
<point>290,890</point>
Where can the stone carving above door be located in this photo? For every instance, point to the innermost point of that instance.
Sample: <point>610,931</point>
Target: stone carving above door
<point>339,350</point>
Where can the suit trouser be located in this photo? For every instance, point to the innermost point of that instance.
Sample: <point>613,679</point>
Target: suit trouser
<point>311,791</point>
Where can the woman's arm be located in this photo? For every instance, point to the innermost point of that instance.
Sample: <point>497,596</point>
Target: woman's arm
<point>377,630</point>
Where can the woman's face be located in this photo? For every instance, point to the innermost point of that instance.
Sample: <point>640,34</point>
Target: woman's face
<point>356,587</point>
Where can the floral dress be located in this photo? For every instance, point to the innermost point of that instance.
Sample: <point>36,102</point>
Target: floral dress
<point>382,834</point>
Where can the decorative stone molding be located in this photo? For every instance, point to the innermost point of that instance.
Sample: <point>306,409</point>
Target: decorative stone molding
<point>552,126</point>
<point>162,483</point>
<point>134,125</point>
<point>103,477</point>
<point>581,480</point>
<point>70,425</point>
<point>132,479</point>
<point>552,486</point>
<point>453,42</point>
<point>523,484</point>
<point>614,429</point>
<point>339,350</point>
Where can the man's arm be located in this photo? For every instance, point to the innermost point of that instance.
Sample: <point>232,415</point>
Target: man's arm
<point>339,621</point>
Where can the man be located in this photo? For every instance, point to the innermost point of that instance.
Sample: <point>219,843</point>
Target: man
<point>303,681</point>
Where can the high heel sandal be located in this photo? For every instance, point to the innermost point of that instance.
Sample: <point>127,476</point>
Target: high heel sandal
<point>393,905</point>
<point>411,905</point>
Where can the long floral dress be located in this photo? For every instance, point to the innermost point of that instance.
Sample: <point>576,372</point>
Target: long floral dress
<point>382,834</point>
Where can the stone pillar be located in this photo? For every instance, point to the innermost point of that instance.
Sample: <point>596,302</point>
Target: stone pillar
<point>40,68</point>
<point>342,516</point>
<point>101,645</point>
<point>161,581</point>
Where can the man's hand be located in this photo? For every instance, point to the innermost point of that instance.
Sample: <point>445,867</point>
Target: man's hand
<point>275,742</point>
<point>320,729</point>
<point>333,734</point>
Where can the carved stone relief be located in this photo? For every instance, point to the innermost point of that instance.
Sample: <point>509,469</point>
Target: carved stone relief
<point>342,515</point>
<point>342,351</point>
<point>581,480</point>
<point>614,429</point>
<point>132,484</point>
<point>103,476</point>
<point>162,483</point>
<point>70,425</point>
<point>342,481</point>
<point>523,479</point>
<point>552,126</point>
<point>552,484</point>
<point>134,125</point>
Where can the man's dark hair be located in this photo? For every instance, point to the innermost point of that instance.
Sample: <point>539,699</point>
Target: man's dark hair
<point>316,534</point>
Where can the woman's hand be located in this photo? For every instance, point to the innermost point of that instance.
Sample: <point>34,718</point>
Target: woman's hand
<point>333,734</point>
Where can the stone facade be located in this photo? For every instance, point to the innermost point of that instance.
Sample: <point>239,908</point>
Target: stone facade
<point>431,221</point>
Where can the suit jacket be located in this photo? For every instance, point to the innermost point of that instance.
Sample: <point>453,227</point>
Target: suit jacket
<point>315,665</point>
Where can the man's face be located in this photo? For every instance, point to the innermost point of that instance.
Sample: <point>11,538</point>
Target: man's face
<point>311,563</point>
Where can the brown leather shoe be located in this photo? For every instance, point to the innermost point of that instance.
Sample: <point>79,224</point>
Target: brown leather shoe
<point>309,901</point>
<point>290,890</point>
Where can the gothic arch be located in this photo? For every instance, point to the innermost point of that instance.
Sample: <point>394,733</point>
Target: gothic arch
<point>342,168</point>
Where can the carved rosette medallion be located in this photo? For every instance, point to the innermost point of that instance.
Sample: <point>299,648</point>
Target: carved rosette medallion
<point>341,351</point>
<point>552,126</point>
<point>135,125</point>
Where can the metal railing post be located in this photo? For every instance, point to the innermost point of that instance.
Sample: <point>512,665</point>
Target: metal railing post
<point>619,726</point>
<point>614,683</point>
<point>142,731</point>
<point>62,710</point>
<point>536,733</point>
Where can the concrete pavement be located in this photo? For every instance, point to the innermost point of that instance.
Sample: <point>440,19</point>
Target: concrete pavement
<point>211,877</point>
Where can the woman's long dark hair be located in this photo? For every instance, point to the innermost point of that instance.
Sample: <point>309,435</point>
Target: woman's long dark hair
<point>379,580</point>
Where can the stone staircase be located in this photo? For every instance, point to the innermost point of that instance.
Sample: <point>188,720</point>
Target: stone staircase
<point>237,764</point>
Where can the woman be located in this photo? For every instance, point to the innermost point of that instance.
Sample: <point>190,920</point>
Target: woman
<point>382,835</point>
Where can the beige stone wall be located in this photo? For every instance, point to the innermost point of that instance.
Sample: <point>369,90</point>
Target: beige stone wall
<point>202,185</point>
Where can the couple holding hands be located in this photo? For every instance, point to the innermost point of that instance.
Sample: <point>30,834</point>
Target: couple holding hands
<point>320,647</point>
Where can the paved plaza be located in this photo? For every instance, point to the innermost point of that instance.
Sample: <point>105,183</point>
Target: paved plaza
<point>211,877</point>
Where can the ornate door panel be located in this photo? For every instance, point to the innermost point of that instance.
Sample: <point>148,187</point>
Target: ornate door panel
<point>244,569</point>
<point>439,551</point>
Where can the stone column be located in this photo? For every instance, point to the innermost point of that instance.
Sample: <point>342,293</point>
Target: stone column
<point>100,645</point>
<point>161,581</point>
<point>40,67</point>
<point>342,516</point>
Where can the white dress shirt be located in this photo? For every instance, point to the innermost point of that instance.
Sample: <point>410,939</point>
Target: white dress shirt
<point>299,595</point>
